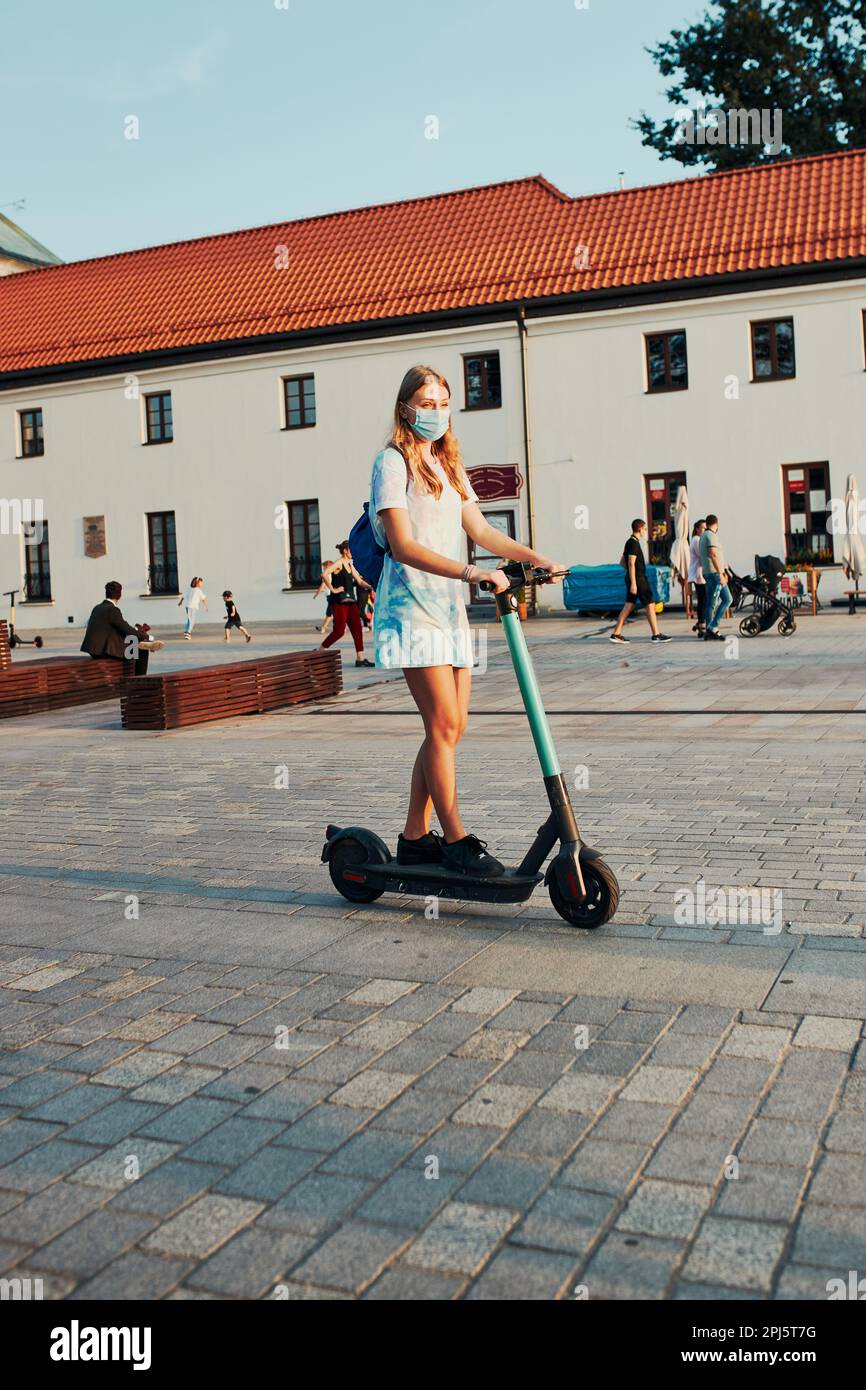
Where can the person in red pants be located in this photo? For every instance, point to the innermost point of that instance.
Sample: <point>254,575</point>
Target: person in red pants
<point>343,582</point>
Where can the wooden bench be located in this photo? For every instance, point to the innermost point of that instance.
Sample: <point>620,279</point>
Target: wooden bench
<point>5,650</point>
<point>852,596</point>
<point>196,696</point>
<point>31,687</point>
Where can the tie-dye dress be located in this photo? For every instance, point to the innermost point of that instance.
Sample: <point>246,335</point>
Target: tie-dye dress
<point>419,618</point>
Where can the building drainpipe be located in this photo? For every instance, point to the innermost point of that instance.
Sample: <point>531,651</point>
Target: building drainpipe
<point>527,433</point>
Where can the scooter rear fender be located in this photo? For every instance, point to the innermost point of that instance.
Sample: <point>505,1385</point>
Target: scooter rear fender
<point>376,849</point>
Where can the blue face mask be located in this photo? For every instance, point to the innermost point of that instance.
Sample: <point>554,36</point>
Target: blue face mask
<point>431,424</point>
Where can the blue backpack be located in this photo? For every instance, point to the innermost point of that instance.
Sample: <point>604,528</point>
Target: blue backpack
<point>368,555</point>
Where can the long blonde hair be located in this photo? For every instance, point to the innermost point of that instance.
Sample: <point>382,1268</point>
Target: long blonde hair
<point>446,450</point>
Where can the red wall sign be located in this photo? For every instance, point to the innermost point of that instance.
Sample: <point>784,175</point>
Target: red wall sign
<point>493,484</point>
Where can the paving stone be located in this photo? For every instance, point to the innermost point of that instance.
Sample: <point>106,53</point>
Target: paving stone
<point>233,1141</point>
<point>659,1084</point>
<point>833,1236</point>
<point>728,1251</point>
<point>538,1070</point>
<point>75,1104</point>
<point>589,1009</point>
<point>164,1190</point>
<point>125,1163</point>
<point>761,1193</point>
<point>135,1276</point>
<point>712,1115</point>
<point>636,1027</point>
<point>688,1050</point>
<point>203,1227</point>
<point>33,1171</point>
<point>39,1086</point>
<point>461,1237</point>
<point>41,1217</point>
<point>600,1166</point>
<point>628,1266</point>
<point>507,1182</point>
<point>557,1038</point>
<point>415,1112</point>
<point>702,1018</point>
<point>803,1282</point>
<point>404,1284</point>
<point>841,1180</point>
<point>847,1132</point>
<point>92,1243</point>
<point>248,1265</point>
<point>779,1141</point>
<point>521,1016</point>
<point>352,1257</point>
<point>563,1219</point>
<point>483,1001</point>
<point>380,1034</point>
<point>324,1128</point>
<point>516,1273</point>
<point>493,1044</point>
<point>175,1085</point>
<point>381,991</point>
<point>734,1076</point>
<point>112,1122</point>
<point>371,1153</point>
<point>748,1040</point>
<point>409,1198</point>
<point>189,1120</point>
<point>315,1203</point>
<point>834,1034</point>
<point>458,1148</point>
<point>495,1105</point>
<point>578,1094</point>
<point>668,1209</point>
<point>547,1133</point>
<point>690,1157</point>
<point>634,1121</point>
<point>269,1174</point>
<point>372,1089</point>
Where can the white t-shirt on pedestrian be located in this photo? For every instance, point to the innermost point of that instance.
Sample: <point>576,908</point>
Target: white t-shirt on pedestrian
<point>194,598</point>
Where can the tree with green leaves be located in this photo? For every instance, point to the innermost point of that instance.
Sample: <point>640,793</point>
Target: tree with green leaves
<point>805,59</point>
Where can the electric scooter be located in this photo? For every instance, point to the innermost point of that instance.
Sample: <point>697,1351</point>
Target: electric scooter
<point>582,887</point>
<point>14,640</point>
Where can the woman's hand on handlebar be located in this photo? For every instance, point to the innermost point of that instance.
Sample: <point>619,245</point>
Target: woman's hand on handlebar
<point>541,562</point>
<point>497,580</point>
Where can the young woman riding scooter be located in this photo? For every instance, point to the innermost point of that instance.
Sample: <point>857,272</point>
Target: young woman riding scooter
<point>421,505</point>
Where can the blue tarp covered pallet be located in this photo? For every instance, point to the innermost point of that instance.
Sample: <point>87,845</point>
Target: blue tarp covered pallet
<point>601,588</point>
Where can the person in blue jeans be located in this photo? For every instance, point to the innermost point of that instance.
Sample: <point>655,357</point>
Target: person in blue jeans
<point>718,596</point>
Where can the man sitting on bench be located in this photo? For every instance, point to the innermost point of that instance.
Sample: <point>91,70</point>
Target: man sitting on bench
<point>109,637</point>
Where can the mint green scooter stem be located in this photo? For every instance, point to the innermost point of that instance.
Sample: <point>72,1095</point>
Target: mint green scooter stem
<point>528,683</point>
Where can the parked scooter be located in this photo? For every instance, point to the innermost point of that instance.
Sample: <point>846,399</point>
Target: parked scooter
<point>14,639</point>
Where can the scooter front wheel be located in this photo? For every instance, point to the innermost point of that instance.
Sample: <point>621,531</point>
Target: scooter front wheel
<point>346,853</point>
<point>600,903</point>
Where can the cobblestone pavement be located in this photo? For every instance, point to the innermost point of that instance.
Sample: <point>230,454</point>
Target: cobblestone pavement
<point>218,1079</point>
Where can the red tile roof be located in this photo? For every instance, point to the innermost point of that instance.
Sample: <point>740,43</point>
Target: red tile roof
<point>502,243</point>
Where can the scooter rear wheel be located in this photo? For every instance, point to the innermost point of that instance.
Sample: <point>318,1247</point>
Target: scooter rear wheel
<point>602,897</point>
<point>345,853</point>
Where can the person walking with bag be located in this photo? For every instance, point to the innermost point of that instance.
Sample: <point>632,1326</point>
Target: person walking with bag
<point>343,582</point>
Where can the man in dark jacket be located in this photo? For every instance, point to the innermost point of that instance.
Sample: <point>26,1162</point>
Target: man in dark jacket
<point>110,637</point>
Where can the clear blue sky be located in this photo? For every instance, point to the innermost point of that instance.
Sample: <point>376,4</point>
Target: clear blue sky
<point>250,113</point>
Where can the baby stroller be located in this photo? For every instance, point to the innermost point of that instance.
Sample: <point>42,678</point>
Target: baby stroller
<point>766,607</point>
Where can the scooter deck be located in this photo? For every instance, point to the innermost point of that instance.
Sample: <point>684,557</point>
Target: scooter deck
<point>423,879</point>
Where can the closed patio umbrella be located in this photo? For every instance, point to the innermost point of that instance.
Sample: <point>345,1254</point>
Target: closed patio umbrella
<point>853,556</point>
<point>680,554</point>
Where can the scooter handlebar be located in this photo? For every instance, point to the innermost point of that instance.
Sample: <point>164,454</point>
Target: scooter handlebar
<point>520,573</point>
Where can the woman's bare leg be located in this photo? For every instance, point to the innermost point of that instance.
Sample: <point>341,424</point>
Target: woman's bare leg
<point>442,696</point>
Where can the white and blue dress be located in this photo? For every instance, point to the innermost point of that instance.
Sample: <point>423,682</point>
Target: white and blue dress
<point>420,618</point>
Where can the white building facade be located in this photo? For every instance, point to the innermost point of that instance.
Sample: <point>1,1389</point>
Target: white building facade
<point>582,416</point>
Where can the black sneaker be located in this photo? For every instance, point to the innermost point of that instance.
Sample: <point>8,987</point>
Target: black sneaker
<point>425,850</point>
<point>618,637</point>
<point>467,856</point>
<point>365,662</point>
<point>660,637</point>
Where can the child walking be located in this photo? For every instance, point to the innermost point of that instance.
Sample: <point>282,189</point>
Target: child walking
<point>233,617</point>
